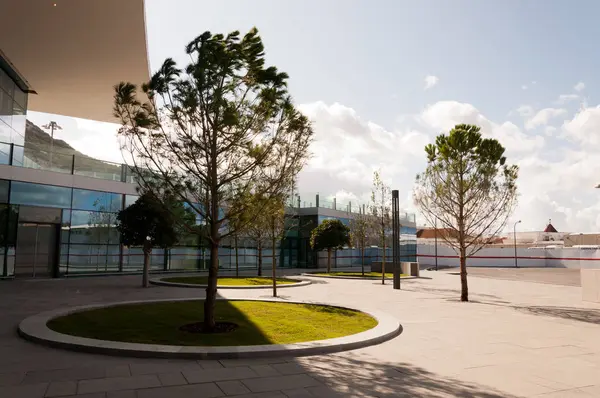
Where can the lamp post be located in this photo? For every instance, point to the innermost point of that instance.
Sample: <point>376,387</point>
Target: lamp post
<point>515,241</point>
<point>436,252</point>
<point>52,126</point>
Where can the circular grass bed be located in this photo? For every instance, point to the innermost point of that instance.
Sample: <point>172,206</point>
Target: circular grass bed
<point>258,323</point>
<point>359,274</point>
<point>229,280</point>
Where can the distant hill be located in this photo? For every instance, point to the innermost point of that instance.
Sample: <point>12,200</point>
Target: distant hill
<point>36,138</point>
<point>37,155</point>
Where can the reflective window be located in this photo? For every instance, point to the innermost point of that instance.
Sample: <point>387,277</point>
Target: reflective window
<point>24,193</point>
<point>96,200</point>
<point>4,191</point>
<point>6,83</point>
<point>92,227</point>
<point>20,97</point>
<point>6,105</point>
<point>130,199</point>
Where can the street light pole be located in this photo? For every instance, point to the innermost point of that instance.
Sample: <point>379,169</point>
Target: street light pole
<point>436,252</point>
<point>515,241</point>
<point>52,126</point>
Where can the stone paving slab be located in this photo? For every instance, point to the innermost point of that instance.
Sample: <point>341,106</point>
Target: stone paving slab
<point>515,339</point>
<point>208,390</point>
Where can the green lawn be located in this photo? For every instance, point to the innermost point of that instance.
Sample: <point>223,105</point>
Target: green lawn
<point>229,281</point>
<point>258,323</point>
<point>359,274</point>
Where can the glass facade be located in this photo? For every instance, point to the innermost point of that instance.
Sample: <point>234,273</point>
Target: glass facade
<point>52,230</point>
<point>13,115</point>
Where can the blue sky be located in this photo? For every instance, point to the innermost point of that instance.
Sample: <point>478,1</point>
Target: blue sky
<point>525,71</point>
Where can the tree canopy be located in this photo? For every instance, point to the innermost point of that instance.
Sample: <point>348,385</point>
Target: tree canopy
<point>330,235</point>
<point>150,218</point>
<point>467,188</point>
<point>209,131</point>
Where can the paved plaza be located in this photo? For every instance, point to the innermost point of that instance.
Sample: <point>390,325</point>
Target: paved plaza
<point>555,276</point>
<point>515,339</point>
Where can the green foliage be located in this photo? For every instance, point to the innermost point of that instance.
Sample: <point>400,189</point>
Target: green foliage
<point>468,189</point>
<point>214,128</point>
<point>220,127</point>
<point>163,223</point>
<point>330,234</point>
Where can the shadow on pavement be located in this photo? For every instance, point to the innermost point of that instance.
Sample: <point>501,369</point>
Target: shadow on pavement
<point>588,315</point>
<point>355,376</point>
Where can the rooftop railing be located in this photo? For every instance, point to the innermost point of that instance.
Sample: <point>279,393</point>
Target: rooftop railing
<point>59,162</point>
<point>316,201</point>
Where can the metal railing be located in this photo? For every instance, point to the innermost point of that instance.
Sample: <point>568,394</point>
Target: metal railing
<point>59,162</point>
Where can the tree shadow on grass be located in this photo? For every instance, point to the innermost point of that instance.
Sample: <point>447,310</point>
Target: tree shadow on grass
<point>363,376</point>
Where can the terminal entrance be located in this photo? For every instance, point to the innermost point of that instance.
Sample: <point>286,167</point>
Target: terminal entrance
<point>38,235</point>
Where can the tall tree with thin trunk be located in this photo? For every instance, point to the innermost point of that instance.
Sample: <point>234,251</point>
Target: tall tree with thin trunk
<point>468,188</point>
<point>381,205</point>
<point>361,229</point>
<point>277,230</point>
<point>209,130</point>
<point>257,227</point>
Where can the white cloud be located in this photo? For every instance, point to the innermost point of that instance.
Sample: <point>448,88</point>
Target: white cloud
<point>543,117</point>
<point>431,81</point>
<point>564,98</point>
<point>525,110</point>
<point>550,131</point>
<point>524,87</point>
<point>579,86</point>
<point>584,128</point>
<point>444,115</point>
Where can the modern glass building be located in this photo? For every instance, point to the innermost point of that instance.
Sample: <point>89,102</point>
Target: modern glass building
<point>57,206</point>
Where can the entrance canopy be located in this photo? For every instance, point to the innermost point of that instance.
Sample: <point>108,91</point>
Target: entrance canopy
<point>72,52</point>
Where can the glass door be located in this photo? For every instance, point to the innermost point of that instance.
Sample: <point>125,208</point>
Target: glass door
<point>36,253</point>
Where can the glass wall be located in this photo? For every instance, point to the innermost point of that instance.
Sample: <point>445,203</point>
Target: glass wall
<point>13,110</point>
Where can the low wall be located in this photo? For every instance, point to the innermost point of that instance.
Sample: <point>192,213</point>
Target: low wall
<point>569,257</point>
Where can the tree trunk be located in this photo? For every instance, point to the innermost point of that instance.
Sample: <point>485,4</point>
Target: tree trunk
<point>237,263</point>
<point>146,270</point>
<point>362,260</point>
<point>211,288</point>
<point>274,272</point>
<point>259,260</point>
<point>328,261</point>
<point>464,288</point>
<point>383,264</point>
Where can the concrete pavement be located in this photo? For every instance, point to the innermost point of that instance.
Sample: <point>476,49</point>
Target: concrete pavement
<point>514,339</point>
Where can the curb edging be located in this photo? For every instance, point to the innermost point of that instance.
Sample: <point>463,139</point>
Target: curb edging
<point>161,282</point>
<point>358,278</point>
<point>35,329</point>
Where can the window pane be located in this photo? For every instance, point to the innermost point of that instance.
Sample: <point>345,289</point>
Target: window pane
<point>93,227</point>
<point>130,199</point>
<point>6,105</point>
<point>96,200</point>
<point>4,191</point>
<point>4,150</point>
<point>20,97</point>
<point>6,83</point>
<point>24,193</point>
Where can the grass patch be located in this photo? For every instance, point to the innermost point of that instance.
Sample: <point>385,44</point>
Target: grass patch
<point>258,323</point>
<point>359,274</point>
<point>229,281</point>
